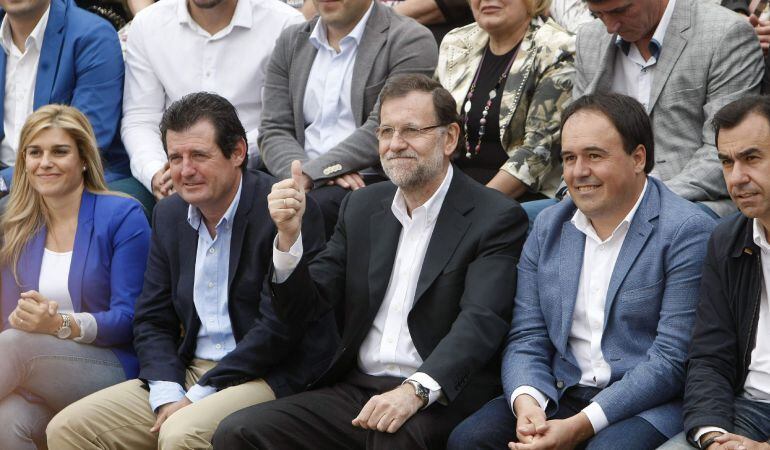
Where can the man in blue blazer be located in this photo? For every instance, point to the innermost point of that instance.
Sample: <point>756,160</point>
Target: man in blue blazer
<point>55,52</point>
<point>207,338</point>
<point>608,285</point>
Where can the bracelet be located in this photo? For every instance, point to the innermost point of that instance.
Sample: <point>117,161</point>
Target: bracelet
<point>708,442</point>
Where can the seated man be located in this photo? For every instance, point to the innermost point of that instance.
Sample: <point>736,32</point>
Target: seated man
<point>176,47</point>
<point>608,284</point>
<point>727,394</point>
<point>55,52</point>
<point>423,268</point>
<point>322,85</point>
<point>682,60</point>
<point>208,342</point>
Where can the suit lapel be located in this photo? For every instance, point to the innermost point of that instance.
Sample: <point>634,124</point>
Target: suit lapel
<point>30,261</point>
<point>302,62</point>
<point>240,225</point>
<point>673,45</point>
<point>374,37</point>
<point>603,80</point>
<point>638,233</point>
<point>188,250</point>
<point>81,247</point>
<point>450,228</point>
<point>50,53</point>
<point>462,61</point>
<point>384,231</point>
<point>571,248</point>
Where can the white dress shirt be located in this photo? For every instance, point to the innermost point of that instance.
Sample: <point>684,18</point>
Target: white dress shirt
<point>20,77</point>
<point>53,284</point>
<point>388,349</point>
<point>757,385</point>
<point>587,331</point>
<point>326,106</point>
<point>168,55</point>
<point>633,75</point>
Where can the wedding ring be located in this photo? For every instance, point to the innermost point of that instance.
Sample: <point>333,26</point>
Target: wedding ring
<point>284,203</point>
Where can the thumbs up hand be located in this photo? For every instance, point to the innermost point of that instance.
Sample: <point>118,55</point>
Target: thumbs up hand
<point>286,203</point>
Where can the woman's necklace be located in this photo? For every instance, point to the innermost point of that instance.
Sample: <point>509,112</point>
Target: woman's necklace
<point>492,94</point>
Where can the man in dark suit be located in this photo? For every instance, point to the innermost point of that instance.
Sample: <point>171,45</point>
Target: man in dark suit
<point>208,343</point>
<point>422,269</point>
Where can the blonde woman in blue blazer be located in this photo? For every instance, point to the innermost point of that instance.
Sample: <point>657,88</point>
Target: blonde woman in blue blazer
<point>73,259</point>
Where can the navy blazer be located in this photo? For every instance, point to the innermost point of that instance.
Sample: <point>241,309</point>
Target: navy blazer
<point>649,311</point>
<point>108,261</point>
<point>167,324</point>
<point>81,65</point>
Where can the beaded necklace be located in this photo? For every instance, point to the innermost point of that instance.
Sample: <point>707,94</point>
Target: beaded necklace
<point>492,94</point>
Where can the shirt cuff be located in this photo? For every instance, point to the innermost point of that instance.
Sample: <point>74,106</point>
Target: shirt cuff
<point>541,399</point>
<point>88,326</point>
<point>162,392</point>
<point>198,392</point>
<point>434,389</point>
<point>285,262</point>
<point>703,430</point>
<point>596,416</point>
<point>150,168</point>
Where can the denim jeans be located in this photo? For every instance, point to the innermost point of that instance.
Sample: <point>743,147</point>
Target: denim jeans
<point>752,420</point>
<point>494,426</point>
<point>40,375</point>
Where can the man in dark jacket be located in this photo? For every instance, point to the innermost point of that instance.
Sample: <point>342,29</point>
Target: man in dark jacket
<point>727,392</point>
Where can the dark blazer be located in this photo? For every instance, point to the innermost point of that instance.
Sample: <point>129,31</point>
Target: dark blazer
<point>81,64</point>
<point>108,262</point>
<point>464,295</point>
<point>726,325</point>
<point>391,44</point>
<point>166,323</point>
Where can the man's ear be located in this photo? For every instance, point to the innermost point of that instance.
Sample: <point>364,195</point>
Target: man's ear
<point>240,153</point>
<point>452,135</point>
<point>640,158</point>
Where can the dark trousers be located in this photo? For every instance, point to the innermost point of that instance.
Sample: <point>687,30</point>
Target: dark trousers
<point>494,426</point>
<point>329,199</point>
<point>321,419</point>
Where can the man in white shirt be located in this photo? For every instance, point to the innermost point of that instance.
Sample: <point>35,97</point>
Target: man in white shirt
<point>176,47</point>
<point>727,393</point>
<point>321,89</point>
<point>423,269</point>
<point>607,289</point>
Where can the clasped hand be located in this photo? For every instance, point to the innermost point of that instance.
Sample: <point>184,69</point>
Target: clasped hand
<point>389,411</point>
<point>35,314</point>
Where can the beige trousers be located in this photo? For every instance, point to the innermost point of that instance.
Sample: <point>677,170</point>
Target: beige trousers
<point>120,417</point>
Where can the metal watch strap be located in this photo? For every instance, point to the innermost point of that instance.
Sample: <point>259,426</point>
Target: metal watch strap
<point>420,391</point>
<point>65,325</point>
<point>709,441</point>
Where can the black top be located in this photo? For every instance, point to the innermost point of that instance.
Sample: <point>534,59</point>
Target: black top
<point>485,165</point>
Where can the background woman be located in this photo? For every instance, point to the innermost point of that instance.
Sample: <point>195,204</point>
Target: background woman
<point>510,73</point>
<point>73,259</point>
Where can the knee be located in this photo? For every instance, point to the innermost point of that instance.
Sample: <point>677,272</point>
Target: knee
<point>13,339</point>
<point>62,425</point>
<point>238,430</point>
<point>466,436</point>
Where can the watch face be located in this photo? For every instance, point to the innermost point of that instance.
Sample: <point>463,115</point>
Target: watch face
<point>64,333</point>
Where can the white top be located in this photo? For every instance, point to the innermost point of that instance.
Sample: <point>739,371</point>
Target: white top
<point>20,77</point>
<point>585,337</point>
<point>388,349</point>
<point>326,106</point>
<point>570,14</point>
<point>169,55</point>
<point>633,75</point>
<point>53,285</point>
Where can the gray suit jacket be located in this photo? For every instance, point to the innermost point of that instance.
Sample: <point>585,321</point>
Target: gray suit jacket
<point>710,57</point>
<point>391,44</point>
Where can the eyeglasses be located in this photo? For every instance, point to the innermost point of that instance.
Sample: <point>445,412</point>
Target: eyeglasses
<point>386,133</point>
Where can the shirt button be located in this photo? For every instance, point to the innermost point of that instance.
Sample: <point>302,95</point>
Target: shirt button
<point>391,367</point>
<point>212,250</point>
<point>389,340</point>
<point>211,284</point>
<point>218,346</point>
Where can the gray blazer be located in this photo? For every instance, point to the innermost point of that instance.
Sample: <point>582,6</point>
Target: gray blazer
<point>391,44</point>
<point>710,57</point>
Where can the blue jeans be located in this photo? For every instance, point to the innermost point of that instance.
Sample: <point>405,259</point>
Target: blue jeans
<point>751,420</point>
<point>40,375</point>
<point>535,207</point>
<point>494,426</point>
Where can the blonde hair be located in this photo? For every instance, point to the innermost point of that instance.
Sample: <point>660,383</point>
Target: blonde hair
<point>537,7</point>
<point>26,211</point>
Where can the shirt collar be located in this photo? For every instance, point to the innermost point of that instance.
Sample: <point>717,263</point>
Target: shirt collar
<point>432,207</point>
<point>194,216</point>
<point>242,16</point>
<point>34,39</point>
<point>759,236</point>
<point>656,43</point>
<point>318,37</point>
<point>583,223</point>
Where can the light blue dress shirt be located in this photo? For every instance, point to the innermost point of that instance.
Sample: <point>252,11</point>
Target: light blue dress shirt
<point>215,337</point>
<point>326,106</point>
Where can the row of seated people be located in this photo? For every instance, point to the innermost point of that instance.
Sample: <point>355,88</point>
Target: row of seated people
<point>248,331</point>
<point>308,90</point>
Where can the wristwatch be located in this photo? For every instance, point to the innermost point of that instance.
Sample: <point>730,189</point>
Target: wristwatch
<point>421,391</point>
<point>64,330</point>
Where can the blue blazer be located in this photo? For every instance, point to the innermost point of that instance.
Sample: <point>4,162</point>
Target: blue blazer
<point>81,65</point>
<point>648,317</point>
<point>108,261</point>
